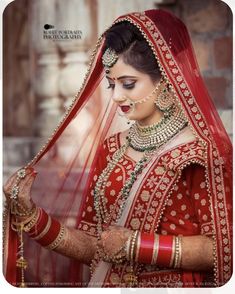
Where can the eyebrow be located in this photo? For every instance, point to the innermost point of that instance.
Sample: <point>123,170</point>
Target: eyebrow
<point>122,77</point>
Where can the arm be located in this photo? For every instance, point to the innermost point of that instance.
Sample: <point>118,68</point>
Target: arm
<point>39,225</point>
<point>75,243</point>
<point>197,251</point>
<point>197,242</point>
<point>78,245</point>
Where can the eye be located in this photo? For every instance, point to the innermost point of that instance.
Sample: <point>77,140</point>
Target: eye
<point>111,86</point>
<point>129,85</point>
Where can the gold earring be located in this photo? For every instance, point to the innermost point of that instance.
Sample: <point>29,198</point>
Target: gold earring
<point>164,100</point>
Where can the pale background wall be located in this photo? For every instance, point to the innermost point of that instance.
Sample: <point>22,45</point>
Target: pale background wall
<point>42,76</point>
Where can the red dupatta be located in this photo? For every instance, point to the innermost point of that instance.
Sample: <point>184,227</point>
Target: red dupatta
<point>65,174</point>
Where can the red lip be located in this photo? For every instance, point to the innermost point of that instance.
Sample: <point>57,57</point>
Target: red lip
<point>125,108</point>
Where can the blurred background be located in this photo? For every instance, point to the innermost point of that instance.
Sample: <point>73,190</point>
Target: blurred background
<point>42,75</point>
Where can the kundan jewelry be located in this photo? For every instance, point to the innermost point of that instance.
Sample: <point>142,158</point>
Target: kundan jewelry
<point>164,100</point>
<point>109,58</point>
<point>152,137</point>
<point>103,216</point>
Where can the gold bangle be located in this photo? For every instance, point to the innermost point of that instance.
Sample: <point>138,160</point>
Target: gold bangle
<point>133,243</point>
<point>128,244</point>
<point>178,252</point>
<point>23,223</point>
<point>33,221</point>
<point>137,248</point>
<point>155,249</point>
<point>15,210</point>
<point>57,240</point>
<point>132,278</point>
<point>174,253</point>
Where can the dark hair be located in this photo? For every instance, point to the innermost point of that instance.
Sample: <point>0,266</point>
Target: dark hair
<point>126,39</point>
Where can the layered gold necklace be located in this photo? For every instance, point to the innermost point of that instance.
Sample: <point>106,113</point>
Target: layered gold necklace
<point>144,139</point>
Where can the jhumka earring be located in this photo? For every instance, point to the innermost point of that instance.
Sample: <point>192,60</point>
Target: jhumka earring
<point>165,100</point>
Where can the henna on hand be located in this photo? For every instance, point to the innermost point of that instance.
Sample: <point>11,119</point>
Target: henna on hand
<point>113,239</point>
<point>78,245</point>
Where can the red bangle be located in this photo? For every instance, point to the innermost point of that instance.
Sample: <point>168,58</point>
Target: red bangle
<point>165,251</point>
<point>52,233</point>
<point>40,225</point>
<point>46,230</point>
<point>146,248</point>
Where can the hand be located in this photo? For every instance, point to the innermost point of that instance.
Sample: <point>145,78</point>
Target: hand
<point>113,239</point>
<point>25,185</point>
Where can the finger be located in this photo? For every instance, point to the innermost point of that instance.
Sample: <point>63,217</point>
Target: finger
<point>12,180</point>
<point>9,183</point>
<point>26,185</point>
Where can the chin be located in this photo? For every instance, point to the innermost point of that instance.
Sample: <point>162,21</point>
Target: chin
<point>133,116</point>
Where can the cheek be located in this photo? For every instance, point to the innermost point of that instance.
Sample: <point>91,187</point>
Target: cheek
<point>146,107</point>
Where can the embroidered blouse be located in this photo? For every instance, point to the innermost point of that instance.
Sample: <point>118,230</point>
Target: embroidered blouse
<point>185,211</point>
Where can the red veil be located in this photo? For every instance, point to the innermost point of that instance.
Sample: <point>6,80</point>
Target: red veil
<point>65,164</point>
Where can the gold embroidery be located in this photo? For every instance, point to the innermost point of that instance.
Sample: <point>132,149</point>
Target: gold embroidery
<point>175,153</point>
<point>114,278</point>
<point>159,170</point>
<point>145,195</point>
<point>135,223</point>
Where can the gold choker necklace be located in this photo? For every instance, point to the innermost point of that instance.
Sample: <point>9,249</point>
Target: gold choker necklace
<point>152,137</point>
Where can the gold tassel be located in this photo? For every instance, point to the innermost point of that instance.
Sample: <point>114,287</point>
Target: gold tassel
<point>21,261</point>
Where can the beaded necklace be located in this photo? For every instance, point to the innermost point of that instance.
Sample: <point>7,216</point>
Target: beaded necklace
<point>99,191</point>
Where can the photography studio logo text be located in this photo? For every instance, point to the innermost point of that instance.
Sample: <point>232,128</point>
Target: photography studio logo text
<point>50,33</point>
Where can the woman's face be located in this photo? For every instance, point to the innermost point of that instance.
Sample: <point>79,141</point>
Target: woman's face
<point>126,83</point>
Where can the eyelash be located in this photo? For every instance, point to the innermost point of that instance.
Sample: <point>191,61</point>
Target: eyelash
<point>127,86</point>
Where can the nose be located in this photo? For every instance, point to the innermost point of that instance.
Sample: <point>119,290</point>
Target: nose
<point>118,96</point>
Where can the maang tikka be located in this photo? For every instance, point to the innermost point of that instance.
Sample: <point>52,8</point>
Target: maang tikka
<point>109,58</point>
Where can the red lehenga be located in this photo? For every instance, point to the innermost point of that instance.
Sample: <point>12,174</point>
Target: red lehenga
<point>186,189</point>
<point>172,199</point>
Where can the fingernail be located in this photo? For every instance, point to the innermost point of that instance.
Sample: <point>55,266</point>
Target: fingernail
<point>35,173</point>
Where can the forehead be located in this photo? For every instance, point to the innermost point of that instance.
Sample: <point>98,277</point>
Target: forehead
<point>120,68</point>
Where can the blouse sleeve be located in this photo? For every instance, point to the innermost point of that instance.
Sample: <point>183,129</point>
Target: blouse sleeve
<point>88,221</point>
<point>188,211</point>
<point>197,185</point>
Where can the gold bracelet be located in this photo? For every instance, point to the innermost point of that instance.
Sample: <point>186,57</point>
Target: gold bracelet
<point>57,240</point>
<point>133,243</point>
<point>33,221</point>
<point>132,278</point>
<point>15,211</point>
<point>178,252</point>
<point>18,225</point>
